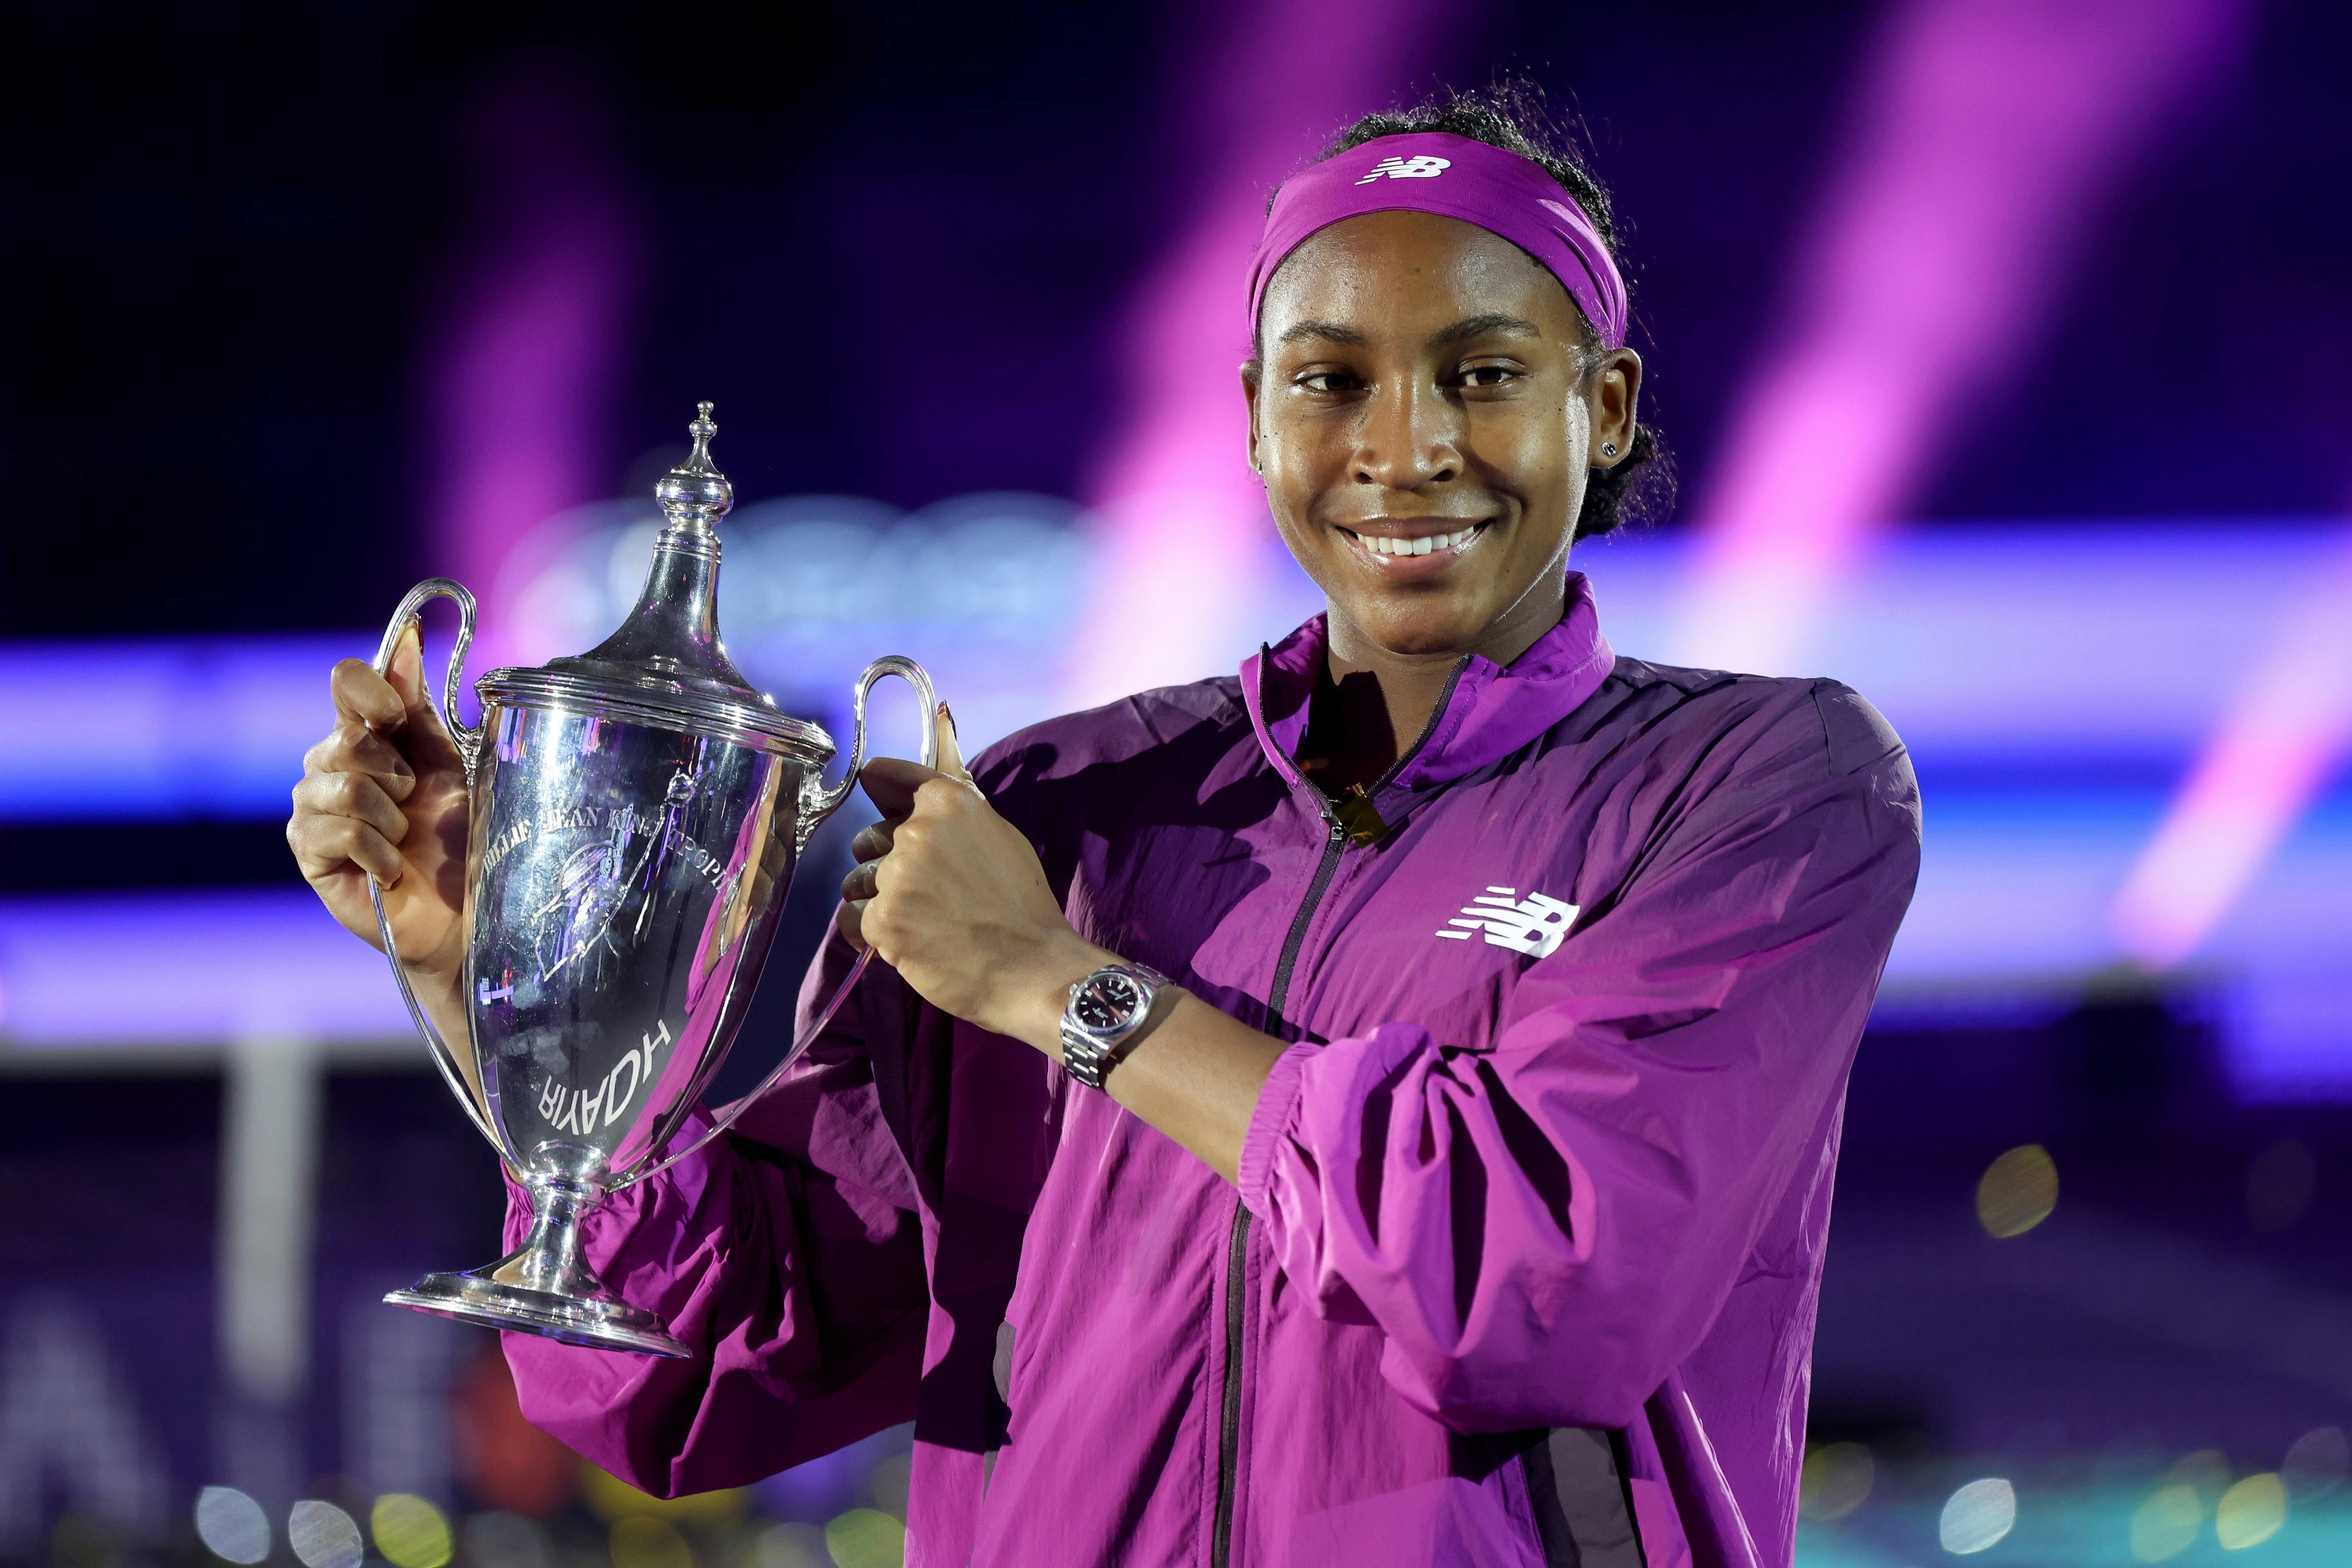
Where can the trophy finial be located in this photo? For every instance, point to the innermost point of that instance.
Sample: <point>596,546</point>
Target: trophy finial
<point>695,495</point>
<point>670,639</point>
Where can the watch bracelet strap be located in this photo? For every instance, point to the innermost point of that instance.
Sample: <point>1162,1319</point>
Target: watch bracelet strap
<point>1086,1061</point>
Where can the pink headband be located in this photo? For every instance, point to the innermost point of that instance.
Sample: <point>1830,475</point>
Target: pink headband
<point>1453,176</point>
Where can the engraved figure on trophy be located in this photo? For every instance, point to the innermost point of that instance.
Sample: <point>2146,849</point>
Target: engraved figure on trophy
<point>605,878</point>
<point>634,815</point>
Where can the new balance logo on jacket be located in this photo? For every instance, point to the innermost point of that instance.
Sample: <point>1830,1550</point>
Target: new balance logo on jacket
<point>1422,168</point>
<point>1534,925</point>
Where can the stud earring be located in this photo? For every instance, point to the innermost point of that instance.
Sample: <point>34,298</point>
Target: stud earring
<point>1608,449</point>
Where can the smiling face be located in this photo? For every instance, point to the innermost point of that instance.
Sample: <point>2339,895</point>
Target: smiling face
<point>1424,414</point>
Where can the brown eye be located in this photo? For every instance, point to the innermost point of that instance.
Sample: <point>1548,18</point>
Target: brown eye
<point>1327,381</point>
<point>1488,375</point>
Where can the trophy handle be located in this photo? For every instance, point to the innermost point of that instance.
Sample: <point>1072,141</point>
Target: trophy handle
<point>468,742</point>
<point>468,738</point>
<point>820,804</point>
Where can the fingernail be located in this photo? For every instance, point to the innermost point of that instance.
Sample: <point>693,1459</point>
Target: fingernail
<point>947,717</point>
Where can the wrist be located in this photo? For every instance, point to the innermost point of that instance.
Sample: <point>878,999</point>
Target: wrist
<point>1044,991</point>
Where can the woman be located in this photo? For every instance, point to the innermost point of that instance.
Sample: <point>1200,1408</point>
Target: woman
<point>1462,1197</point>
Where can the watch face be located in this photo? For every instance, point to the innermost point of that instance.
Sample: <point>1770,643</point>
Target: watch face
<point>1107,1002</point>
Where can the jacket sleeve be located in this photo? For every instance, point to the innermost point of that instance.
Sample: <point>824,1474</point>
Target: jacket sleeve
<point>1544,1228</point>
<point>786,1254</point>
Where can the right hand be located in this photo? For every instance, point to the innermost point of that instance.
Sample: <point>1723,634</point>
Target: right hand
<point>385,792</point>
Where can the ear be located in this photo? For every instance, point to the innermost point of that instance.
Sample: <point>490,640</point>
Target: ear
<point>1613,400</point>
<point>1251,373</point>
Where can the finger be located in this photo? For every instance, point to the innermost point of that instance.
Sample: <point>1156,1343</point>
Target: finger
<point>950,760</point>
<point>326,845</point>
<point>873,841</point>
<point>890,783</point>
<point>847,920</point>
<point>356,749</point>
<point>355,795</point>
<point>363,696</point>
<point>860,884</point>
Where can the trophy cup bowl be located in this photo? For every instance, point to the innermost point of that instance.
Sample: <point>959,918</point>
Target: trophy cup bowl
<point>636,816</point>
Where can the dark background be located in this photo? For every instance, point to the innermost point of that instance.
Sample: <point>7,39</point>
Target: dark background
<point>892,240</point>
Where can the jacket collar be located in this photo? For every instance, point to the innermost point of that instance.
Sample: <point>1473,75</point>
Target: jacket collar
<point>1490,712</point>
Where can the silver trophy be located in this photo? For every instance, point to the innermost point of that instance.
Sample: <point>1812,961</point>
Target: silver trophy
<point>636,814</point>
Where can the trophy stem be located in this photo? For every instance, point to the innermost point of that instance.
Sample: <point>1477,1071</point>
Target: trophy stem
<point>550,1258</point>
<point>545,1286</point>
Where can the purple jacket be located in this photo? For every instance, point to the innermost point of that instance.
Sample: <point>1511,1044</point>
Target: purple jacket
<point>1525,1254</point>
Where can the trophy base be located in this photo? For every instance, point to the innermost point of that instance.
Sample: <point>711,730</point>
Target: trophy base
<point>545,1286</point>
<point>599,1322</point>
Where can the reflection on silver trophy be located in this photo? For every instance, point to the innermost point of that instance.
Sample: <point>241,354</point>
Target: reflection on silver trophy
<point>636,813</point>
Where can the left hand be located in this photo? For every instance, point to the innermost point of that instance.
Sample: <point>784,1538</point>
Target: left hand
<point>954,897</point>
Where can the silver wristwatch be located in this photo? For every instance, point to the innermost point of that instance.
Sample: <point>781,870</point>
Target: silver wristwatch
<point>1105,1011</point>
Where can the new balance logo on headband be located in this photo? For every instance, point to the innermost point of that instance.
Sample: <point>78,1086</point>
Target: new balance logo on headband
<point>1422,168</point>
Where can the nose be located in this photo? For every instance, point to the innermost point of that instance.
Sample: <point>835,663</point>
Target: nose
<point>1409,437</point>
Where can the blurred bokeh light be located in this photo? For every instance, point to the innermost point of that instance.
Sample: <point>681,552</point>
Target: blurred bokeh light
<point>1978,1517</point>
<point>2017,1191</point>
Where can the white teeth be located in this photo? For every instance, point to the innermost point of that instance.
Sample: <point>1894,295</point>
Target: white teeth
<point>1381,544</point>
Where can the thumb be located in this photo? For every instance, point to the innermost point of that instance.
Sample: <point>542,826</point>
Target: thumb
<point>950,757</point>
<point>406,671</point>
<point>407,676</point>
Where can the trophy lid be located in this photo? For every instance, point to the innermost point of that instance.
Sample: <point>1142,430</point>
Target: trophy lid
<point>665,665</point>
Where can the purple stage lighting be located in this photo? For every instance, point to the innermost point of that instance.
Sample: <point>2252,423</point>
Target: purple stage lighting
<point>2269,759</point>
<point>1178,508</point>
<point>531,339</point>
<point>1988,131</point>
<point>195,969</point>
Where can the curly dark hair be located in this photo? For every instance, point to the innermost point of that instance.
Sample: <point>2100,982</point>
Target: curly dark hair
<point>1512,115</point>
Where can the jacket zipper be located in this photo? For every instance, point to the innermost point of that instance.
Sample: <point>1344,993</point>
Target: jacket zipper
<point>1229,1429</point>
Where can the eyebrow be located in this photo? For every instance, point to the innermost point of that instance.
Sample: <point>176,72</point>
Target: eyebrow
<point>1329,331</point>
<point>1460,331</point>
<point>1479,326</point>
